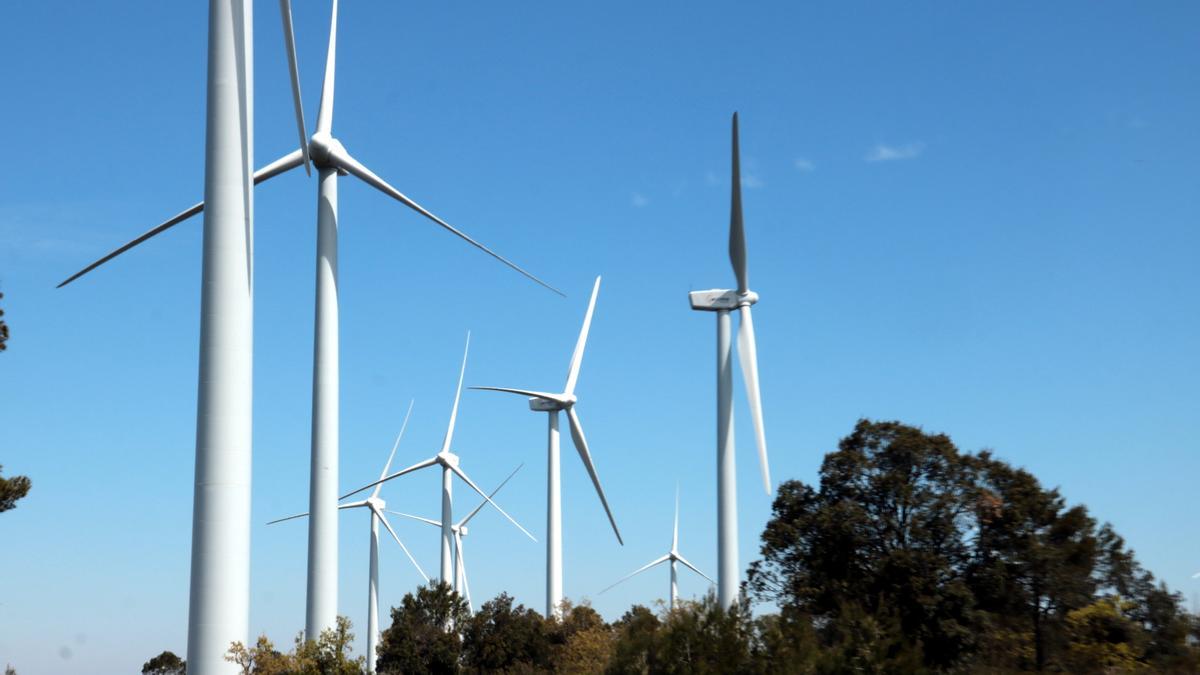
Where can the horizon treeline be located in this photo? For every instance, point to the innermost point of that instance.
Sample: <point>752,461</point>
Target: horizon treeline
<point>909,556</point>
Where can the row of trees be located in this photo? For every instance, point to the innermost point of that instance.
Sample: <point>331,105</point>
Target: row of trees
<point>909,556</point>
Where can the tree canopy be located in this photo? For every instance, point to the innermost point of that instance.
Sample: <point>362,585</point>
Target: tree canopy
<point>965,558</point>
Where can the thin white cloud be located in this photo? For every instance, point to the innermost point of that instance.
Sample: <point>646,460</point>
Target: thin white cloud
<point>805,165</point>
<point>892,153</point>
<point>639,201</point>
<point>752,181</point>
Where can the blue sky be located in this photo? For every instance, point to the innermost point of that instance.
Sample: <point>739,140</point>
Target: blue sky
<point>977,220</point>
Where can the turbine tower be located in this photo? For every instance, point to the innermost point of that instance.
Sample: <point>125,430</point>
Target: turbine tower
<point>376,507</point>
<point>332,160</point>
<point>449,462</point>
<point>673,556</point>
<point>218,606</point>
<point>723,302</point>
<point>540,401</point>
<point>461,585</point>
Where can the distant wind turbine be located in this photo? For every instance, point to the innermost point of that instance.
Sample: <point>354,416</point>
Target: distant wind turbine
<point>449,462</point>
<point>673,556</point>
<point>376,507</point>
<point>461,585</point>
<point>540,401</point>
<point>722,302</point>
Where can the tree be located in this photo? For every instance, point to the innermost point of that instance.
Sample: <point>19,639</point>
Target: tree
<point>166,663</point>
<point>881,536</point>
<point>12,489</point>
<point>3,329</point>
<point>506,638</point>
<point>327,655</point>
<point>911,555</point>
<point>636,634</point>
<point>421,638</point>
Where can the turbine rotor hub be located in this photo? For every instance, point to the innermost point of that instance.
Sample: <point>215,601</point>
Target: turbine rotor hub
<point>321,148</point>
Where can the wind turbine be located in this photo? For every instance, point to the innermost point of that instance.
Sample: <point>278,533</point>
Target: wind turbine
<point>332,160</point>
<point>459,529</point>
<point>218,608</point>
<point>723,302</point>
<point>540,401</point>
<point>449,462</point>
<point>376,507</point>
<point>673,556</point>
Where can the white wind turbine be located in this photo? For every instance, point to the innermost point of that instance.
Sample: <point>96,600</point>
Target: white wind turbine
<point>540,401</point>
<point>449,462</point>
<point>722,302</point>
<point>332,160</point>
<point>673,556</point>
<point>218,608</point>
<point>375,506</point>
<point>461,585</point>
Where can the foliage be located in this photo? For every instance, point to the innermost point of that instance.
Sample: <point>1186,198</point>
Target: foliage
<point>422,638</point>
<point>327,655</point>
<point>504,638</point>
<point>12,489</point>
<point>3,329</point>
<point>166,663</point>
<point>913,555</point>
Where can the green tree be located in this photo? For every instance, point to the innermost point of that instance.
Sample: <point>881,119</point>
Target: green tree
<point>12,489</point>
<point>166,663</point>
<point>3,329</point>
<point>328,655</point>
<point>635,649</point>
<point>502,637</point>
<point>912,555</point>
<point>421,638</point>
<point>882,535</point>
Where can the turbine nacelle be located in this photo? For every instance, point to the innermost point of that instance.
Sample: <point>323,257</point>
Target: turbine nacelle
<point>718,300</point>
<point>375,504</point>
<point>447,459</point>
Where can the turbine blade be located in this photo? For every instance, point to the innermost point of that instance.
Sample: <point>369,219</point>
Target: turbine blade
<point>280,520</point>
<point>457,396</point>
<point>419,465</point>
<point>584,454</point>
<point>748,357</point>
<point>289,41</point>
<point>388,525</point>
<point>483,503</point>
<point>435,523</point>
<point>524,392</point>
<point>394,446</point>
<point>462,570</point>
<point>693,568</point>
<point>285,163</point>
<point>737,232</point>
<point>487,498</point>
<point>675,532</point>
<point>352,166</point>
<point>643,568</point>
<point>577,357</point>
<point>325,112</point>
